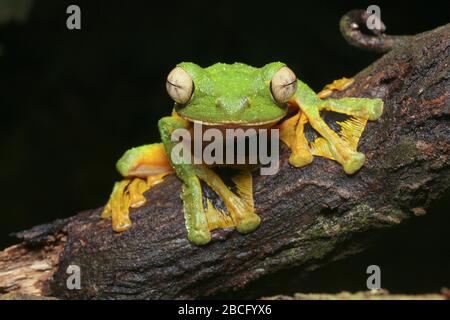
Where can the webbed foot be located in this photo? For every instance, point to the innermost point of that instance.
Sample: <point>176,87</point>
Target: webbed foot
<point>143,167</point>
<point>354,162</point>
<point>199,237</point>
<point>340,146</point>
<point>239,206</point>
<point>126,194</point>
<point>200,220</point>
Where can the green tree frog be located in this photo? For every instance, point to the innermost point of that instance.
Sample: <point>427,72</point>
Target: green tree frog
<point>238,96</point>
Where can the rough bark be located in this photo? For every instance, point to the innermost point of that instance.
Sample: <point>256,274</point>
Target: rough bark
<point>310,216</point>
<point>366,295</point>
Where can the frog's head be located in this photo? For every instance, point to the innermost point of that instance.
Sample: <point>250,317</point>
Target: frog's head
<point>231,94</point>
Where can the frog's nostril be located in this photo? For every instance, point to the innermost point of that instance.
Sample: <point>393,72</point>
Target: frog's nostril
<point>232,104</point>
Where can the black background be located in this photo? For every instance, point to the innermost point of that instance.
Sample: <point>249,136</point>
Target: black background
<point>73,101</point>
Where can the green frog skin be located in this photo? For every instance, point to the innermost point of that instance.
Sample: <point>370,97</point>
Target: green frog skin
<point>237,96</point>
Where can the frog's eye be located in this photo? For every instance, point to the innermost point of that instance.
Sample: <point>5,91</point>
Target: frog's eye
<point>179,85</point>
<point>283,85</point>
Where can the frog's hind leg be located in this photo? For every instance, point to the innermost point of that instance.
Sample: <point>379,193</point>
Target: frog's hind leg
<point>292,133</point>
<point>337,85</point>
<point>142,167</point>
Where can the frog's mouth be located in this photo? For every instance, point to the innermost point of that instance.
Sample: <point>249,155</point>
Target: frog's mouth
<point>235,124</point>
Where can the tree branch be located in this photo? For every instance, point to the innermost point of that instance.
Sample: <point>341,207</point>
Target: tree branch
<point>310,216</point>
<point>352,23</point>
<point>367,295</point>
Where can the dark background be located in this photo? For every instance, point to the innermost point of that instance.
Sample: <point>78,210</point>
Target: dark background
<point>73,101</point>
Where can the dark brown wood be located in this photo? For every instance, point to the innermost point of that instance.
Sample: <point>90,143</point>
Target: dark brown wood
<point>310,216</point>
<point>354,22</point>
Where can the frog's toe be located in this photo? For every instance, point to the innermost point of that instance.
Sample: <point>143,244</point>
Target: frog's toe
<point>248,224</point>
<point>354,162</point>
<point>122,225</point>
<point>136,191</point>
<point>337,85</point>
<point>199,237</point>
<point>126,194</point>
<point>300,159</point>
<point>376,110</point>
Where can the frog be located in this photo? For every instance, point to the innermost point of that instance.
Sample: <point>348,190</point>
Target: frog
<point>238,95</point>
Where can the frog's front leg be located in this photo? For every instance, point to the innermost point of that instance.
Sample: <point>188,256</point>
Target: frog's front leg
<point>197,225</point>
<point>241,210</point>
<point>292,133</point>
<point>310,105</point>
<point>370,109</point>
<point>191,194</point>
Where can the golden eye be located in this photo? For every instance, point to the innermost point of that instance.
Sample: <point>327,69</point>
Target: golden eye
<point>283,85</point>
<point>179,85</point>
